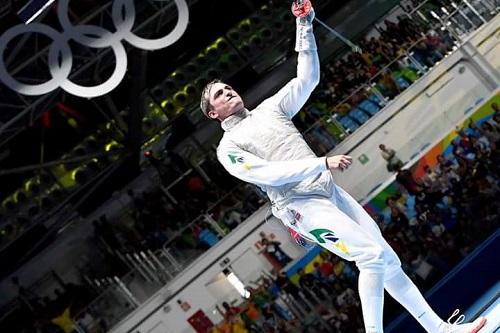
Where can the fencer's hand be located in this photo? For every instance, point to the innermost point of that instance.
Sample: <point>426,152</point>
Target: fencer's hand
<point>303,10</point>
<point>340,162</point>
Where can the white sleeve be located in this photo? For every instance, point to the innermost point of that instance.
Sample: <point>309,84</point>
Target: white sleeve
<point>253,169</point>
<point>292,97</point>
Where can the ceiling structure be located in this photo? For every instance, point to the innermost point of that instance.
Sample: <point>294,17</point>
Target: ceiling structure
<point>62,154</point>
<point>27,140</point>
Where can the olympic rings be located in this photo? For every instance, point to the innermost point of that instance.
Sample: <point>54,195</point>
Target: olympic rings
<point>123,15</point>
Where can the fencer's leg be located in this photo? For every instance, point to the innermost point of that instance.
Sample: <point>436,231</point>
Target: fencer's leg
<point>347,204</point>
<point>397,283</point>
<point>321,220</point>
<point>403,290</point>
<point>371,294</point>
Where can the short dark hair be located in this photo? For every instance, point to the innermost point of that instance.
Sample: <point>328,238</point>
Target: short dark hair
<point>205,97</point>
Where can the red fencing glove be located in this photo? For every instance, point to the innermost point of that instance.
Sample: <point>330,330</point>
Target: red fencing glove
<point>301,10</point>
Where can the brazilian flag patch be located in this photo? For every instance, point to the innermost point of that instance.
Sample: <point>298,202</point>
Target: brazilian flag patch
<point>235,159</point>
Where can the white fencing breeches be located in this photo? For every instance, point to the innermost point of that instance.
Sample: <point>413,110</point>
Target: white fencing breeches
<point>342,226</point>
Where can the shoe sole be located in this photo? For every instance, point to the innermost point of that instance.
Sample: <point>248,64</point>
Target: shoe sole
<point>478,327</point>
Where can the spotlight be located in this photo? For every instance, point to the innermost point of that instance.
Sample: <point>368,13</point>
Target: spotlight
<point>33,9</point>
<point>237,283</point>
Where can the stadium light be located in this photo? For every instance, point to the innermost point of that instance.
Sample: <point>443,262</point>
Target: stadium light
<point>33,9</point>
<point>236,282</point>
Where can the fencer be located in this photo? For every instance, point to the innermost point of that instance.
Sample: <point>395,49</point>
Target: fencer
<point>264,148</point>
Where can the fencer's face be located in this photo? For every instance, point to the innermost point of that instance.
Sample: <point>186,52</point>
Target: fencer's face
<point>224,101</point>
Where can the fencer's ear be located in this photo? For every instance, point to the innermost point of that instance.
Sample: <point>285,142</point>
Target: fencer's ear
<point>212,114</point>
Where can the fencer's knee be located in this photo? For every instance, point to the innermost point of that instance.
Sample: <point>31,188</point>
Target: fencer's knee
<point>372,260</point>
<point>392,265</point>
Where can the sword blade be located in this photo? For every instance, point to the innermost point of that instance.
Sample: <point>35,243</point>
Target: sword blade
<point>354,47</point>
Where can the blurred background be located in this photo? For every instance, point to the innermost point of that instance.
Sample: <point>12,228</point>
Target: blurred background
<point>115,215</point>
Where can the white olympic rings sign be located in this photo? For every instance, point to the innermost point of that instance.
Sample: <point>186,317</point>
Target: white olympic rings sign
<point>60,58</point>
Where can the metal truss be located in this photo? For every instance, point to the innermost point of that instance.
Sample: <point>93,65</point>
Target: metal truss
<point>88,65</point>
<point>28,58</point>
<point>49,164</point>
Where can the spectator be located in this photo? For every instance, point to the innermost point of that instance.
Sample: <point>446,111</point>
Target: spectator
<point>495,121</point>
<point>389,154</point>
<point>405,178</point>
<point>207,235</point>
<point>430,179</point>
<point>425,53</point>
<point>229,215</point>
<point>229,310</point>
<point>252,317</point>
<point>326,268</point>
<point>309,283</point>
<point>237,325</point>
<point>393,203</point>
<point>490,133</point>
<point>495,108</point>
<point>399,217</point>
<point>272,249</point>
<point>389,86</point>
<point>289,288</point>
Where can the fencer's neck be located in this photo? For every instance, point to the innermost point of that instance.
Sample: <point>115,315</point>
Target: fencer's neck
<point>234,119</point>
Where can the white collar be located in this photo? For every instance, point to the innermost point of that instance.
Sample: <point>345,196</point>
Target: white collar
<point>234,119</point>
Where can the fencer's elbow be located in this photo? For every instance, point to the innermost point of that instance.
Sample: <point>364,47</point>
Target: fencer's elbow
<point>272,182</point>
<point>313,80</point>
<point>315,76</point>
<point>309,82</point>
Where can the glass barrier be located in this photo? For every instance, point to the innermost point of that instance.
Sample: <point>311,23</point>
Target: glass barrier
<point>206,230</point>
<point>235,207</point>
<point>191,241</point>
<point>395,77</point>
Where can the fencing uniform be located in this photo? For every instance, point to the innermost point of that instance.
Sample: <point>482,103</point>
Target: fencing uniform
<point>263,147</point>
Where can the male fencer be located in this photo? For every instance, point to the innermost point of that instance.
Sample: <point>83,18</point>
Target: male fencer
<point>264,148</point>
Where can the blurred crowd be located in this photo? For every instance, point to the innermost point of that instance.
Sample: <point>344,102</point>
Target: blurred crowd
<point>355,86</point>
<point>433,221</point>
<point>384,61</point>
<point>316,302</point>
<point>196,223</point>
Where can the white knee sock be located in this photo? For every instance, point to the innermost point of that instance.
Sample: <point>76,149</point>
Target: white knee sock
<point>371,293</point>
<point>403,290</point>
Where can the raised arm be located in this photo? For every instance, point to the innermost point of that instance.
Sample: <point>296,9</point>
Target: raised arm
<point>253,169</point>
<point>295,93</point>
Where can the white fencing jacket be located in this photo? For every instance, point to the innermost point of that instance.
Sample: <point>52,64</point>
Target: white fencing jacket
<point>263,147</point>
